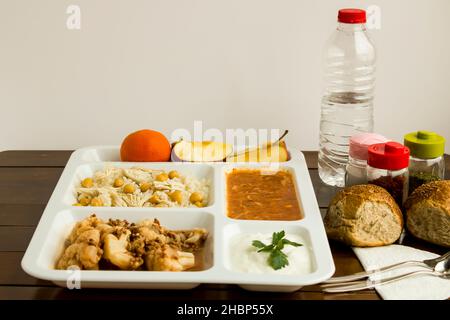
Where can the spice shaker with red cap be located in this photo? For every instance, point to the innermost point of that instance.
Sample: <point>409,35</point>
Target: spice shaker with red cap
<point>387,167</point>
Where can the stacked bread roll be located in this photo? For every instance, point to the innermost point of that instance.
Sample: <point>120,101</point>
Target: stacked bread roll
<point>367,215</point>
<point>428,212</point>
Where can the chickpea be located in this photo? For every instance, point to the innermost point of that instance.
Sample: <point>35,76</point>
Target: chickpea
<point>155,199</point>
<point>162,177</point>
<point>196,197</point>
<point>85,201</point>
<point>87,183</point>
<point>118,182</point>
<point>199,204</point>
<point>96,202</point>
<point>176,196</point>
<point>145,186</point>
<point>129,188</point>
<point>174,174</point>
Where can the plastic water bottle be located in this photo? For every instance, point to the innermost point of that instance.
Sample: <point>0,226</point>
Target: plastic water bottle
<point>347,103</point>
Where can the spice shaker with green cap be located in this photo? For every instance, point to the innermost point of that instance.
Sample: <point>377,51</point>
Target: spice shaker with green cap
<point>426,157</point>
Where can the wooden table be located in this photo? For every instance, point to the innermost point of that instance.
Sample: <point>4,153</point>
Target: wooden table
<point>27,179</point>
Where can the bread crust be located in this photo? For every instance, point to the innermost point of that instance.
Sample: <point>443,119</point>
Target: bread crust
<point>436,194</point>
<point>351,199</point>
<point>430,197</point>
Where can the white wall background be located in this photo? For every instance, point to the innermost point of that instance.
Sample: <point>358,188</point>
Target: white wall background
<point>162,64</point>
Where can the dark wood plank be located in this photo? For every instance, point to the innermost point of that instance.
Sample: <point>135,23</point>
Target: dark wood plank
<point>345,260</point>
<point>52,158</point>
<point>15,238</point>
<point>20,215</point>
<point>34,158</point>
<point>447,167</point>
<point>38,158</point>
<point>199,293</point>
<point>11,272</point>
<point>27,185</point>
<point>311,159</point>
<point>411,241</point>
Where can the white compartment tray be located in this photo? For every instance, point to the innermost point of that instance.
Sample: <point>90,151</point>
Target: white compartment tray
<point>59,217</point>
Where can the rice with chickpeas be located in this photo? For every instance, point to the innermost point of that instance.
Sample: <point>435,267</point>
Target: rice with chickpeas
<point>141,187</point>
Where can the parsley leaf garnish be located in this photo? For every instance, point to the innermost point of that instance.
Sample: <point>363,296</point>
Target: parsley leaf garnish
<point>258,244</point>
<point>277,258</point>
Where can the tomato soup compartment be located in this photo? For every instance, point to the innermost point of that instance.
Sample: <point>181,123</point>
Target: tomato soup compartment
<point>262,193</point>
<point>201,175</point>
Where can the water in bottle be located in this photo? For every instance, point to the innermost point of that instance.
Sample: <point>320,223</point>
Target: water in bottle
<point>347,103</point>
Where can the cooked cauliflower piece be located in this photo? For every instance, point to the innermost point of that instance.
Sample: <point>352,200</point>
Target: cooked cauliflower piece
<point>83,246</point>
<point>168,258</point>
<point>116,252</point>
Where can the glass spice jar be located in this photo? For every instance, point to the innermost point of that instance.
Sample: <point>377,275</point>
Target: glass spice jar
<point>355,170</point>
<point>387,167</point>
<point>426,162</point>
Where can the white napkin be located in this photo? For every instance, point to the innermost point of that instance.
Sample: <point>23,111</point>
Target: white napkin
<point>423,287</point>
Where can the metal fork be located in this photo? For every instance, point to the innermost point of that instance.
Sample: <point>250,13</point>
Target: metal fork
<point>430,264</point>
<point>368,284</point>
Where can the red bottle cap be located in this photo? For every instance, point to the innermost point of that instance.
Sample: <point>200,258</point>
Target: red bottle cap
<point>388,156</point>
<point>352,16</point>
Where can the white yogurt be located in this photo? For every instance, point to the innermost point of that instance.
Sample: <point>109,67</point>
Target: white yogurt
<point>245,258</point>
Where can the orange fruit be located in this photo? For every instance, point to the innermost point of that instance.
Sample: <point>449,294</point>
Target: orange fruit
<point>145,146</point>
